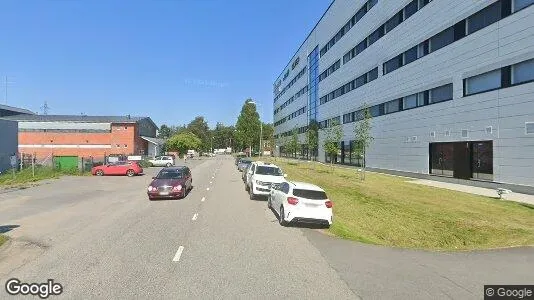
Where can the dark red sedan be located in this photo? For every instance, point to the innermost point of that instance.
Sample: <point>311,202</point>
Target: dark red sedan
<point>128,168</point>
<point>170,183</point>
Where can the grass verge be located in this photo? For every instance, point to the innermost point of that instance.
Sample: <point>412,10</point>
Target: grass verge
<point>3,239</point>
<point>25,176</point>
<point>391,211</point>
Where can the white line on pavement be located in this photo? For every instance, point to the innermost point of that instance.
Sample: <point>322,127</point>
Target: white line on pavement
<point>211,182</point>
<point>207,189</point>
<point>195,216</point>
<point>203,198</point>
<point>178,253</point>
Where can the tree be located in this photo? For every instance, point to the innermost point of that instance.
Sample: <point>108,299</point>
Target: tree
<point>333,136</point>
<point>182,142</point>
<point>164,132</point>
<point>223,136</point>
<point>200,128</point>
<point>362,134</point>
<point>312,138</point>
<point>293,142</point>
<point>248,125</point>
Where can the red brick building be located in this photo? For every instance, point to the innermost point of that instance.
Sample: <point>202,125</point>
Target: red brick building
<point>85,136</point>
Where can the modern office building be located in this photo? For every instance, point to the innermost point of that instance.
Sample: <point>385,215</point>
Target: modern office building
<point>449,85</point>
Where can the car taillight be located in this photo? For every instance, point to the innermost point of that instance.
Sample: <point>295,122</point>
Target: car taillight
<point>292,200</point>
<point>328,204</point>
<point>177,188</point>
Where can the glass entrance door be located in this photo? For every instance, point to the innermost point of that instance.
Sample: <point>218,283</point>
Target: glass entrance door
<point>482,161</point>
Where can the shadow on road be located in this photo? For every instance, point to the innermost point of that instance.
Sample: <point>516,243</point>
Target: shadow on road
<point>7,228</point>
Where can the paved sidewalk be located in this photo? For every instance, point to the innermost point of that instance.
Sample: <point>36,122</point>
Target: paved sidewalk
<point>517,197</point>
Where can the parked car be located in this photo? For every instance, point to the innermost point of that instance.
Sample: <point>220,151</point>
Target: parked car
<point>129,168</point>
<point>162,161</point>
<point>300,202</point>
<point>260,177</point>
<point>173,182</point>
<point>243,163</point>
<point>244,174</point>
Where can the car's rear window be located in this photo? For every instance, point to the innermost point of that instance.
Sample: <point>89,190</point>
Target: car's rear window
<point>310,194</point>
<point>170,175</point>
<point>273,171</point>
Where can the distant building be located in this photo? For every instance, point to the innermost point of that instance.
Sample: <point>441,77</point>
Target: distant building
<point>6,110</point>
<point>85,136</point>
<point>8,143</point>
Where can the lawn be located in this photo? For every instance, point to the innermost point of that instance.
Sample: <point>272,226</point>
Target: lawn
<point>26,177</point>
<point>391,211</point>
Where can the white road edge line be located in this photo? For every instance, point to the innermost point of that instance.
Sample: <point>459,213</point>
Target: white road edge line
<point>178,254</point>
<point>195,216</point>
<point>207,189</point>
<point>203,198</point>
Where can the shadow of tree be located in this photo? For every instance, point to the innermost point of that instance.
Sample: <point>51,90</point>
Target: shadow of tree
<point>7,228</point>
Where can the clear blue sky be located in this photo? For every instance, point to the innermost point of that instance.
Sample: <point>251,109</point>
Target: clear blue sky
<point>167,59</point>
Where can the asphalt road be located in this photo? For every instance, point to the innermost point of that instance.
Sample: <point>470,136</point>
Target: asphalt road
<point>101,238</point>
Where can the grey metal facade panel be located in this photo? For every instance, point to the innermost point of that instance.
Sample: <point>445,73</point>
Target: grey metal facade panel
<point>506,110</point>
<point>8,142</point>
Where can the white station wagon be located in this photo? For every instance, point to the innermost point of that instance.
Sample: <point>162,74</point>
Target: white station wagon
<point>300,202</point>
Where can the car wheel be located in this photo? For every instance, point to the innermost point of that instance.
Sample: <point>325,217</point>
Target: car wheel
<point>99,173</point>
<point>168,165</point>
<point>246,187</point>
<point>281,219</point>
<point>130,173</point>
<point>251,194</point>
<point>269,205</point>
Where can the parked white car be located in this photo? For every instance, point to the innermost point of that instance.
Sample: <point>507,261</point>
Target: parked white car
<point>300,202</point>
<point>162,161</point>
<point>260,177</point>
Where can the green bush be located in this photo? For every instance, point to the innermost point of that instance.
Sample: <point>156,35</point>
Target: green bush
<point>145,163</point>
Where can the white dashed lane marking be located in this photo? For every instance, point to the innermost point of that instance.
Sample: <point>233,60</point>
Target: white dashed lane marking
<point>195,216</point>
<point>178,254</point>
<point>203,199</point>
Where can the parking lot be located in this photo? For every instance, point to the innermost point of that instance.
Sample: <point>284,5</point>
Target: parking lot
<point>100,237</point>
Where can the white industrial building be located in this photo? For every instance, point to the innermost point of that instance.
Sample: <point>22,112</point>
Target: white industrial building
<point>450,85</point>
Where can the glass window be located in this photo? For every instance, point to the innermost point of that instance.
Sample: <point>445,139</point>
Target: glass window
<point>483,82</point>
<point>264,170</point>
<point>361,13</point>
<point>375,111</point>
<point>410,55</point>
<point>392,65</point>
<point>346,58</point>
<point>410,101</point>
<point>523,72</point>
<point>360,81</point>
<point>376,35</point>
<point>485,17</point>
<point>393,22</point>
<point>372,3</point>
<point>442,39</point>
<point>421,98</point>
<point>373,74</point>
<point>442,93</point>
<point>392,106</point>
<point>520,4</point>
<point>410,9</point>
